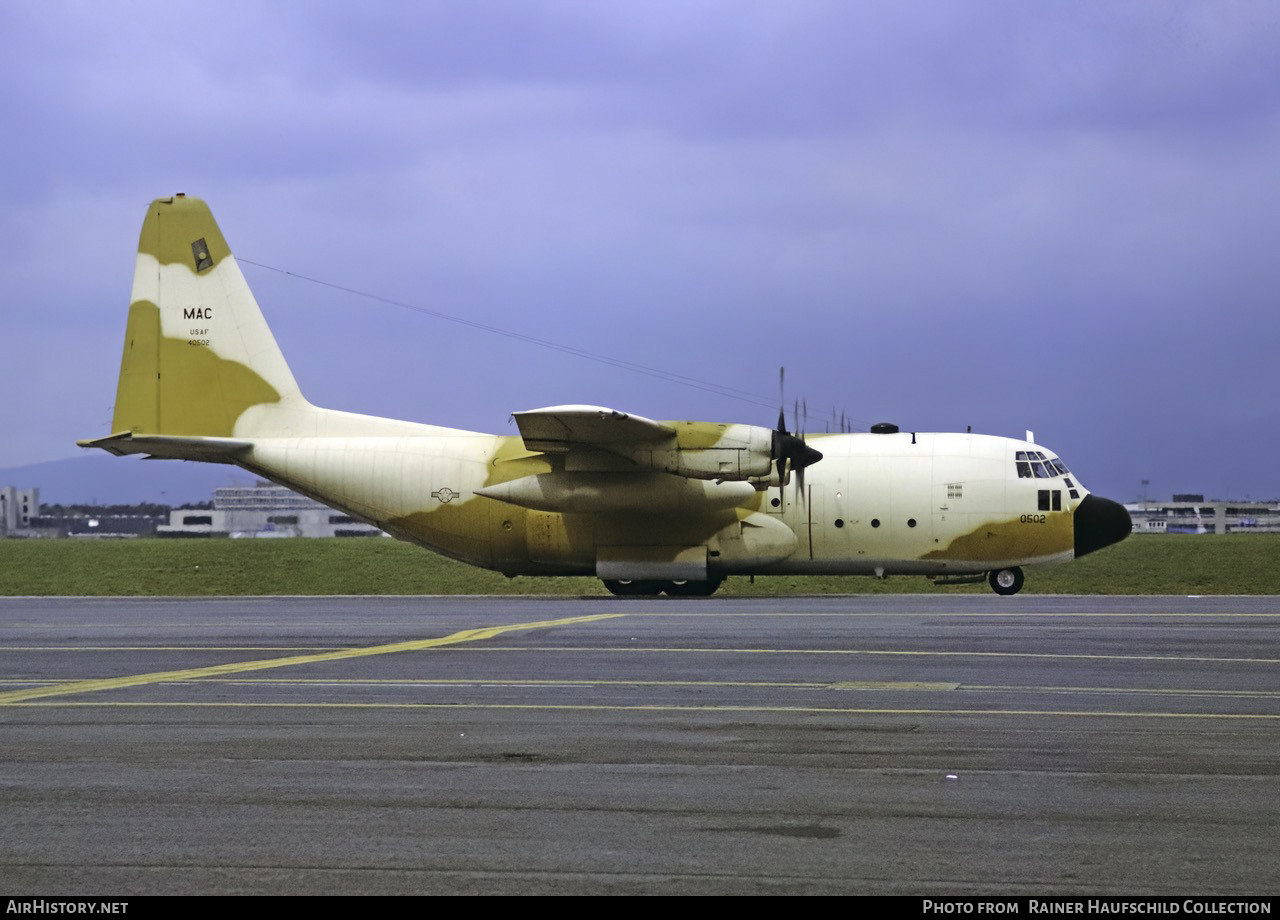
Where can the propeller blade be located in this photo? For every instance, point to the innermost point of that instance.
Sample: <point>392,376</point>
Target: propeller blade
<point>782,483</point>
<point>791,448</point>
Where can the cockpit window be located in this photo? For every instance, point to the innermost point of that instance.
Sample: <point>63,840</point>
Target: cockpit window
<point>1035,464</point>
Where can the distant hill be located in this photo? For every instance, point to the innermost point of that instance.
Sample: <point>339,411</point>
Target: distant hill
<point>98,478</point>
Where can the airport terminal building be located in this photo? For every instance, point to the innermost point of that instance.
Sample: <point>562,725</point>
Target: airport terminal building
<point>1188,513</point>
<point>263,510</point>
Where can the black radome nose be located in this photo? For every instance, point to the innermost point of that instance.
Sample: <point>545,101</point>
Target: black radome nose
<point>1100,522</point>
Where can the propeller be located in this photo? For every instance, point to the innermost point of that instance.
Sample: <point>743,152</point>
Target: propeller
<point>789,448</point>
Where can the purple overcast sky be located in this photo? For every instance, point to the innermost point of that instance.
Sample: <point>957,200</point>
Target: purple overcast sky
<point>1056,216</point>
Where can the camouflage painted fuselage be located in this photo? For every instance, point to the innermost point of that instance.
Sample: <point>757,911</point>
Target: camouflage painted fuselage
<point>582,490</point>
<point>876,504</point>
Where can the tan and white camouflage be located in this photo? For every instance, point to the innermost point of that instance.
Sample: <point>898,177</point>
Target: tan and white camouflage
<point>648,506</point>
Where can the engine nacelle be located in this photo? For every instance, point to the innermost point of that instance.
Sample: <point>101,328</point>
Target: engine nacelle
<point>709,451</point>
<point>594,439</point>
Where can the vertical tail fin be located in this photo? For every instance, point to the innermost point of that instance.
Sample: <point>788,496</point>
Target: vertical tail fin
<point>199,360</point>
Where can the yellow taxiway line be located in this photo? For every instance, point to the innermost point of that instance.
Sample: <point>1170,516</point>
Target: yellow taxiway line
<point>239,667</point>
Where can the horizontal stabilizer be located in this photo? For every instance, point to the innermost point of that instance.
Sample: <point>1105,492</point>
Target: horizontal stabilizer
<point>170,447</point>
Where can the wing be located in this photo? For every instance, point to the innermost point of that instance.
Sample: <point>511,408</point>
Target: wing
<point>558,429</point>
<point>611,461</point>
<point>593,438</point>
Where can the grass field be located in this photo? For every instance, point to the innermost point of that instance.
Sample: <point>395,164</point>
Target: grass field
<point>1147,564</point>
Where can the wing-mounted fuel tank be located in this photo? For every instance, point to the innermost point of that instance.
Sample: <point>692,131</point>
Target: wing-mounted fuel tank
<point>626,493</point>
<point>754,540</point>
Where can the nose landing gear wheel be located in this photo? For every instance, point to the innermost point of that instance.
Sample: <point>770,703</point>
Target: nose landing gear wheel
<point>1006,581</point>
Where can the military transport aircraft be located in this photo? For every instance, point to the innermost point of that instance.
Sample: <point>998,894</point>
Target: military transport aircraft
<point>646,506</point>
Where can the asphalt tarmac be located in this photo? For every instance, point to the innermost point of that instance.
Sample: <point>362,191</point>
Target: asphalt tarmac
<point>948,744</point>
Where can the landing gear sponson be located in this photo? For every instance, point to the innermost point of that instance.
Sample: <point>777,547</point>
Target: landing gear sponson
<point>1003,581</point>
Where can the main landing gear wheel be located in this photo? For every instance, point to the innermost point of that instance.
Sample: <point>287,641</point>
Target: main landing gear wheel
<point>628,588</point>
<point>1006,581</point>
<point>693,588</point>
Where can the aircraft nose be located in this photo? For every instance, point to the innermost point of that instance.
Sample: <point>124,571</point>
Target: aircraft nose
<point>1100,522</point>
